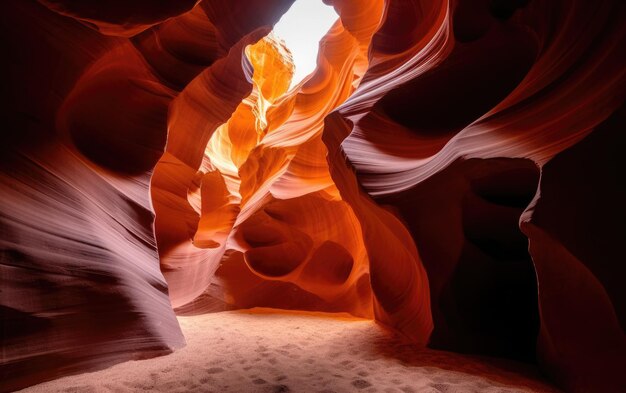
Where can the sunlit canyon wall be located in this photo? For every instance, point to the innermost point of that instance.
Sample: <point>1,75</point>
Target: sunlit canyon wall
<point>451,169</point>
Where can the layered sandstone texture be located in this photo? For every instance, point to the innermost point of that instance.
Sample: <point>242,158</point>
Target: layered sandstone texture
<point>451,169</point>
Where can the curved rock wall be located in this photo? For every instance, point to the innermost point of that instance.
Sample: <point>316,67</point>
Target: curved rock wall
<point>461,128</point>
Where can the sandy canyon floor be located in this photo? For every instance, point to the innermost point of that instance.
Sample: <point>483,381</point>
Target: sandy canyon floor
<point>265,351</point>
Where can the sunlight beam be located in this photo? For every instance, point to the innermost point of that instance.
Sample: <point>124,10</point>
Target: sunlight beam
<point>302,27</point>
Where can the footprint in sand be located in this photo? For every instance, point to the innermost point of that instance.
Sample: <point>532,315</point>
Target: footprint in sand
<point>280,389</point>
<point>361,384</point>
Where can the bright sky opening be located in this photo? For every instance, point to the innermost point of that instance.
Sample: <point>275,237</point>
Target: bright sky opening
<point>302,27</point>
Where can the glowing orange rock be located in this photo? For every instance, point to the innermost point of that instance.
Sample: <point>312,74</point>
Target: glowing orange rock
<point>264,176</point>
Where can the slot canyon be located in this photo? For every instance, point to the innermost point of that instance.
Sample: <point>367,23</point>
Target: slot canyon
<point>436,207</point>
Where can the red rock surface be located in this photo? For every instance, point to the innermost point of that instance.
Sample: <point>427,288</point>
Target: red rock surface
<point>451,169</point>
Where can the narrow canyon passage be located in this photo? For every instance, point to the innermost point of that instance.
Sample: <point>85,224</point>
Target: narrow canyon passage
<point>248,212</point>
<point>312,196</point>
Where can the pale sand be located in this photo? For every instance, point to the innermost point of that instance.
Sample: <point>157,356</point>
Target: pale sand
<point>267,351</point>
